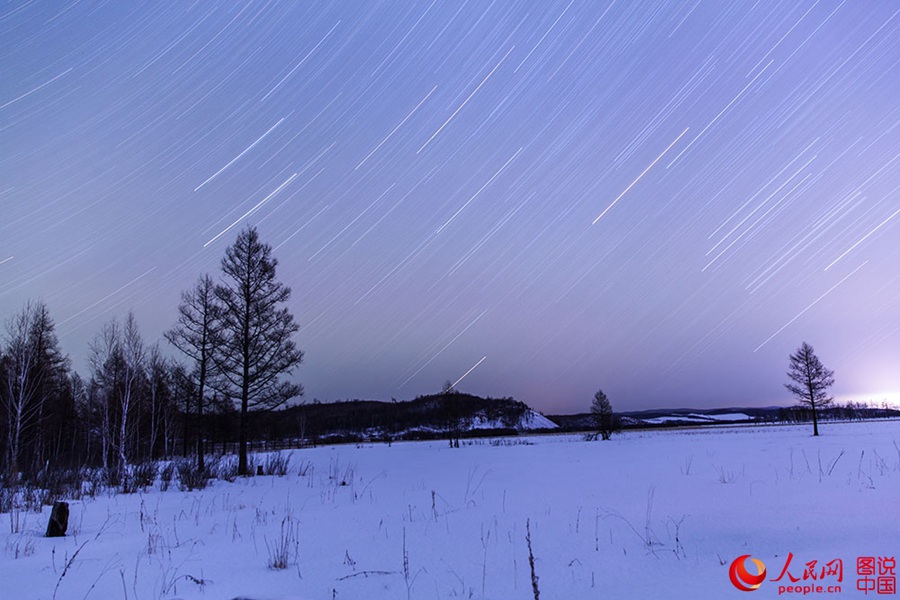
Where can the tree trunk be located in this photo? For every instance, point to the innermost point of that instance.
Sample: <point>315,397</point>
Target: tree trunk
<point>242,436</point>
<point>104,435</point>
<point>200,464</point>
<point>812,403</point>
<point>126,400</point>
<point>245,387</point>
<point>815,420</point>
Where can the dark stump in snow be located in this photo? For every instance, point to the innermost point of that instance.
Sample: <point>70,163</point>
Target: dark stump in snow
<point>59,520</point>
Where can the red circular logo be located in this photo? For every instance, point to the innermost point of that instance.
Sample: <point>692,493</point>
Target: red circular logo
<point>742,578</point>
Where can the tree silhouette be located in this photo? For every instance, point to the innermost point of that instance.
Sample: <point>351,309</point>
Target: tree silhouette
<point>255,348</point>
<point>604,418</point>
<point>34,372</point>
<point>811,381</point>
<point>195,335</point>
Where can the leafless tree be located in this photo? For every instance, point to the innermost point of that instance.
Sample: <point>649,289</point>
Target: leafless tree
<point>34,379</point>
<point>106,365</point>
<point>811,381</point>
<point>195,335</point>
<point>118,373</point>
<point>54,402</point>
<point>159,400</point>
<point>20,391</point>
<point>255,349</point>
<point>133,371</point>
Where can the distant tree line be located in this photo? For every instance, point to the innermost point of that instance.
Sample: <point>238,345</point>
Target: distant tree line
<point>850,411</point>
<point>433,416</point>
<point>136,403</point>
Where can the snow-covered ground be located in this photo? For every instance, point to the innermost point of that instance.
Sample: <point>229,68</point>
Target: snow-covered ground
<point>691,417</point>
<point>529,421</point>
<point>652,514</point>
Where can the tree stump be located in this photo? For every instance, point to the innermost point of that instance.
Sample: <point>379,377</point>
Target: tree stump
<point>59,520</point>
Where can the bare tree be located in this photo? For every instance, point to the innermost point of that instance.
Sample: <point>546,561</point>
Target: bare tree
<point>604,418</point>
<point>106,367</point>
<point>184,390</point>
<point>80,439</point>
<point>34,374</point>
<point>133,370</point>
<point>159,399</point>
<point>195,335</point>
<point>117,365</point>
<point>51,382</point>
<point>255,348</point>
<point>20,392</point>
<point>811,381</point>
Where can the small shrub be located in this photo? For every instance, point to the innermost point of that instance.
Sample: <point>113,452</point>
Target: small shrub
<point>213,466</point>
<point>60,483</point>
<point>22,547</point>
<point>277,464</point>
<point>339,477</point>
<point>286,549</point>
<point>534,578</point>
<point>155,542</point>
<point>725,476</point>
<point>139,477</point>
<point>509,442</point>
<point>111,477</point>
<point>145,474</point>
<point>165,476</point>
<point>190,477</point>
<point>688,462</point>
<point>228,469</point>
<point>7,498</point>
<point>128,486</point>
<point>34,499</point>
<point>92,482</point>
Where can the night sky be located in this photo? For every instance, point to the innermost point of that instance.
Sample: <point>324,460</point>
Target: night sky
<point>659,199</point>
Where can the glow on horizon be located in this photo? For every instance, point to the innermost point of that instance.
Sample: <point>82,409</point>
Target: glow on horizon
<point>872,399</point>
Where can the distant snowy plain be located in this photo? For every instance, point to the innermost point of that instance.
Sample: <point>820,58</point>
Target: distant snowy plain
<point>649,514</point>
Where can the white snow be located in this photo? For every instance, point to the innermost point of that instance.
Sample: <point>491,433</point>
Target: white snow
<point>538,421</point>
<point>725,417</point>
<point>692,417</point>
<point>531,420</point>
<point>649,514</point>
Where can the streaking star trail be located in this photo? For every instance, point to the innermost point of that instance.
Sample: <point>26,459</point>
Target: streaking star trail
<point>585,192</point>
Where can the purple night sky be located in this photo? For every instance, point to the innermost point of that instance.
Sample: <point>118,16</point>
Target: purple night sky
<point>659,199</point>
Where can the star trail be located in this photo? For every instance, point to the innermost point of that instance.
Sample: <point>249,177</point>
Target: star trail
<point>659,199</point>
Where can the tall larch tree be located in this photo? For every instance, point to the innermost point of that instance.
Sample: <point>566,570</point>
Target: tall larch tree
<point>811,381</point>
<point>255,345</point>
<point>195,334</point>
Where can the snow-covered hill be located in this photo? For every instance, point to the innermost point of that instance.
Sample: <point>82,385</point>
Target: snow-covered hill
<point>530,420</point>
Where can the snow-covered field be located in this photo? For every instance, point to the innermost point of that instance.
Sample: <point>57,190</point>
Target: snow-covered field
<point>699,418</point>
<point>654,514</point>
